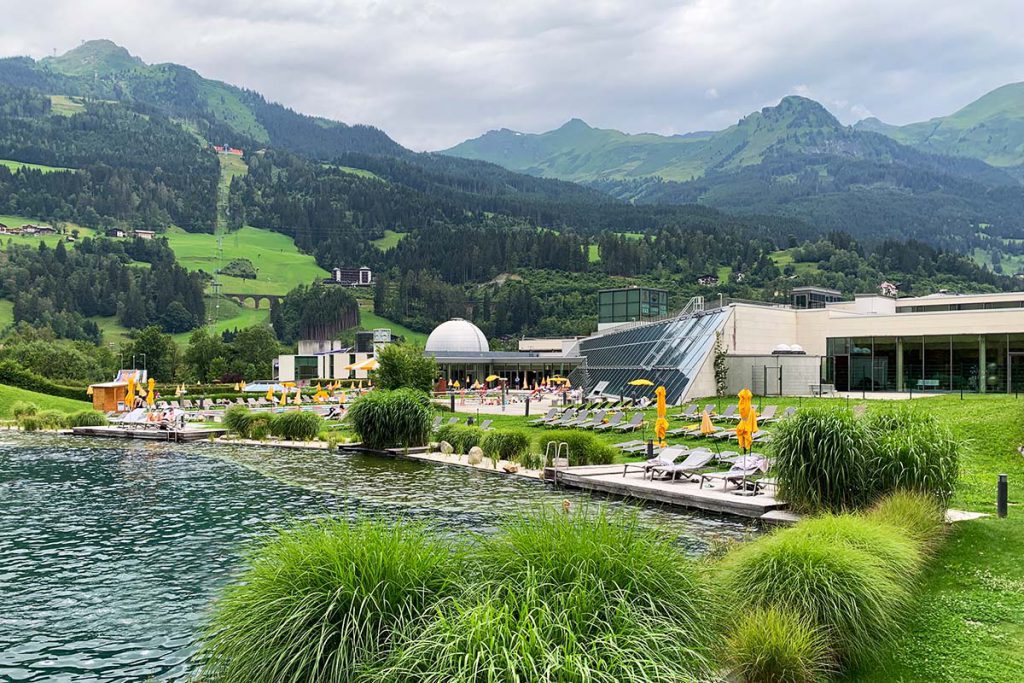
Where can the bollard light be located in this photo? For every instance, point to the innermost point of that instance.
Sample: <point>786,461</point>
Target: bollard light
<point>1001,496</point>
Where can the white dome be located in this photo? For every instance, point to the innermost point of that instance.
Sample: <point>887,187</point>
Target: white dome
<point>782,348</point>
<point>796,348</point>
<point>457,335</point>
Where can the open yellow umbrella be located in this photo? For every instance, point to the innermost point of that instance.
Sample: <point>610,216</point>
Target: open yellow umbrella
<point>661,424</point>
<point>151,393</point>
<point>491,378</point>
<point>641,383</point>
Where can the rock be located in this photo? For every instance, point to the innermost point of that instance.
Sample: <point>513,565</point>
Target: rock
<point>445,447</point>
<point>511,469</point>
<point>476,455</point>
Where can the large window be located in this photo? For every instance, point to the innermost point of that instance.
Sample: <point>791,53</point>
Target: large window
<point>306,367</point>
<point>633,304</point>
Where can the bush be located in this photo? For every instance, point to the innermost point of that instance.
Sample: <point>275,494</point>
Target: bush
<point>405,367</point>
<point>914,452</point>
<point>86,418</point>
<point>821,460</point>
<point>20,409</point>
<point>506,444</point>
<point>239,420</point>
<point>322,600</point>
<point>383,419</point>
<point>776,646</point>
<point>584,448</point>
<point>580,597</point>
<point>259,426</point>
<point>900,556</point>
<point>31,423</point>
<point>14,375</point>
<point>840,587</point>
<point>297,426</point>
<point>919,515</point>
<point>51,419</point>
<point>461,437</point>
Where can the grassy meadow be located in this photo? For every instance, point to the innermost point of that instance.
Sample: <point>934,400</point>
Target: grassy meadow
<point>6,313</point>
<point>230,166</point>
<point>389,240</point>
<point>16,165</point>
<point>10,395</point>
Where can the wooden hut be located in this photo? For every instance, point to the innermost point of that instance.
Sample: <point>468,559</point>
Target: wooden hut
<point>107,395</point>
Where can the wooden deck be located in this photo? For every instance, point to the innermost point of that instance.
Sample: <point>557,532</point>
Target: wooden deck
<point>609,479</point>
<point>149,434</point>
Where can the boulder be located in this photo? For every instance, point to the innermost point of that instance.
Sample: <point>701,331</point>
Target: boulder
<point>445,447</point>
<point>476,455</point>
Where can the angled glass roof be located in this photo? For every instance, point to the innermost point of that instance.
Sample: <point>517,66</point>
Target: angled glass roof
<point>668,353</point>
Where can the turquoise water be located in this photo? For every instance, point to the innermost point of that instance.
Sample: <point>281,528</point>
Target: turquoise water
<point>111,552</point>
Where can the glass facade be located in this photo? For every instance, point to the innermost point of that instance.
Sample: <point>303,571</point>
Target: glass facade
<point>977,363</point>
<point>668,353</point>
<point>631,304</point>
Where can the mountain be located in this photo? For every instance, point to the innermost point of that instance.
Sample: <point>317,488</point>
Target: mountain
<point>990,129</point>
<point>103,70</point>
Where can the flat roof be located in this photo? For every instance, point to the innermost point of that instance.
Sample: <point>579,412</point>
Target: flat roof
<point>501,356</point>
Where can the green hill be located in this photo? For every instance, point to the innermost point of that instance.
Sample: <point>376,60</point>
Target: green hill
<point>9,395</point>
<point>991,129</point>
<point>93,59</point>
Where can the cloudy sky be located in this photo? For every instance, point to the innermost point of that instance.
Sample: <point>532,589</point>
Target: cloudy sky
<point>434,72</point>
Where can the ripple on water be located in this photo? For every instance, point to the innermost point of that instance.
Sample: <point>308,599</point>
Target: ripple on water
<point>110,552</point>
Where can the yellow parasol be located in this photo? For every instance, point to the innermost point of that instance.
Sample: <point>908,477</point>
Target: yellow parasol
<point>242,384</point>
<point>284,396</point>
<point>748,421</point>
<point>270,393</point>
<point>491,378</point>
<point>129,394</point>
<point>237,387</point>
<point>456,384</point>
<point>661,424</point>
<point>641,383</point>
<point>342,398</point>
<point>298,397</point>
<point>151,393</point>
<point>88,391</point>
<point>706,427</point>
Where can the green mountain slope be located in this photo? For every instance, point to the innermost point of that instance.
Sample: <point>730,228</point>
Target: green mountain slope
<point>990,129</point>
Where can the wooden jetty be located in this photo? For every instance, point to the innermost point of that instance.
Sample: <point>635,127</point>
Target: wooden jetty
<point>149,434</point>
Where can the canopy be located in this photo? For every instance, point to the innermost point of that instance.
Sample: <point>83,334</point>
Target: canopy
<point>641,383</point>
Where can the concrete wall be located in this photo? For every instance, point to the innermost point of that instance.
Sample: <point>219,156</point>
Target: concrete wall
<point>703,383</point>
<point>286,368</point>
<point>798,373</point>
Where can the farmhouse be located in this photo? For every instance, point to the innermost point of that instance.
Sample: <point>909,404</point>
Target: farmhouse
<point>352,277</point>
<point>145,234</point>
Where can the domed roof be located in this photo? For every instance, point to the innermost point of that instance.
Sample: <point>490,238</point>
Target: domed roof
<point>457,335</point>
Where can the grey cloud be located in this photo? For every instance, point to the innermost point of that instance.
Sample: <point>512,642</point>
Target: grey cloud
<point>432,73</point>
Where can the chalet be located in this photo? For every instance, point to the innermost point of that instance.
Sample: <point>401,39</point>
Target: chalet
<point>115,232</point>
<point>227,149</point>
<point>889,289</point>
<point>351,277</point>
<point>144,234</point>
<point>707,280</point>
<point>38,230</point>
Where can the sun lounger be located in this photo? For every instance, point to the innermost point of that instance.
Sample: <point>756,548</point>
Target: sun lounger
<point>486,425</point>
<point>612,423</point>
<point>597,419</point>
<point>551,415</point>
<point>655,448</point>
<point>768,415</point>
<point>564,421</point>
<point>581,417</point>
<point>689,414</point>
<point>436,423</point>
<point>709,409</point>
<point>665,457</point>
<point>741,470</point>
<point>788,412</point>
<point>453,421</point>
<point>695,460</point>
<point>729,413</point>
<point>633,424</point>
<point>625,445</point>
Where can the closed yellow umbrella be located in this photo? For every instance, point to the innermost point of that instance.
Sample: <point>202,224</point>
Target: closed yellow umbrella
<point>129,395</point>
<point>456,384</point>
<point>243,385</point>
<point>706,427</point>
<point>748,421</point>
<point>298,397</point>
<point>284,397</point>
<point>88,391</point>
<point>237,387</point>
<point>270,393</point>
<point>661,424</point>
<point>641,383</point>
<point>151,393</point>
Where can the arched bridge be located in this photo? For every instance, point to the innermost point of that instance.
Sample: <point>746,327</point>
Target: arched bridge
<point>256,299</point>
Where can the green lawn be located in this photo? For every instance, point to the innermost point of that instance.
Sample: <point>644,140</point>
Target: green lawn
<point>15,165</point>
<point>389,240</point>
<point>230,166</point>
<point>8,395</point>
<point>361,172</point>
<point>65,106</point>
<point>1010,263</point>
<point>229,315</point>
<point>784,257</point>
<point>369,320</point>
<point>112,331</point>
<point>280,266</point>
<point>6,313</point>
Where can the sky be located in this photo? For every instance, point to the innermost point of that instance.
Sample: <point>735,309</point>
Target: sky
<point>432,73</point>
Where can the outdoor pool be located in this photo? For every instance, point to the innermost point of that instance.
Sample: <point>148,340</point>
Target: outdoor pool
<point>110,552</point>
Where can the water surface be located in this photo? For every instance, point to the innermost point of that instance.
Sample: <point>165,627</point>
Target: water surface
<point>111,552</point>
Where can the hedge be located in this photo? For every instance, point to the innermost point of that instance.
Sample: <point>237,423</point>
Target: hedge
<point>14,375</point>
<point>584,448</point>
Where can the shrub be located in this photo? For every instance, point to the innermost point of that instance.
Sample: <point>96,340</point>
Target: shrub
<point>821,460</point>
<point>913,451</point>
<point>776,646</point>
<point>383,419</point>
<point>239,420</point>
<point>259,426</point>
<point>297,426</point>
<point>31,423</point>
<point>461,437</point>
<point>919,515</point>
<point>580,597</point>
<point>900,556</point>
<point>505,444</point>
<point>16,376</point>
<point>20,409</point>
<point>402,366</point>
<point>321,600</point>
<point>839,587</point>
<point>86,418</point>
<point>51,419</point>
<point>584,448</point>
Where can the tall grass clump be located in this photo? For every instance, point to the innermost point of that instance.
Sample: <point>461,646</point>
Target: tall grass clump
<point>840,587</point>
<point>461,437</point>
<point>85,418</point>
<point>821,460</point>
<point>584,447</point>
<point>51,419</point>
<point>898,554</point>
<point>918,515</point>
<point>239,420</point>
<point>297,426</point>
<point>30,423</point>
<point>259,426</point>
<point>776,646</point>
<point>20,409</point>
<point>568,597</point>
<point>913,451</point>
<point>383,419</point>
<point>321,601</point>
<point>506,444</point>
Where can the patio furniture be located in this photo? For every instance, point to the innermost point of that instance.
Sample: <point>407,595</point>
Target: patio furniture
<point>665,457</point>
<point>696,460</point>
<point>551,415</point>
<point>633,424</point>
<point>612,423</point>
